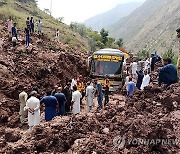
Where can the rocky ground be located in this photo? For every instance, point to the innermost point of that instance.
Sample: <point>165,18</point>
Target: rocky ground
<point>151,114</point>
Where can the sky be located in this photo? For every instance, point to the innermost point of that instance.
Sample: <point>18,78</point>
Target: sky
<point>79,10</point>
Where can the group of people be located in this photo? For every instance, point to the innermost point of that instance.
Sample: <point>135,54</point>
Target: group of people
<point>139,77</point>
<point>29,29</point>
<point>61,101</point>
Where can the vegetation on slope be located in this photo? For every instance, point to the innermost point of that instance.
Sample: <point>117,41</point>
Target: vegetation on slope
<point>21,9</point>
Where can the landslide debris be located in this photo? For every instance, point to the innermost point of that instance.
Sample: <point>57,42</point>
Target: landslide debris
<point>141,117</point>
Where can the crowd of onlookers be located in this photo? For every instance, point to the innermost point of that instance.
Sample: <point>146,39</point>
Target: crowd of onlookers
<point>137,73</point>
<point>62,101</point>
<point>28,30</point>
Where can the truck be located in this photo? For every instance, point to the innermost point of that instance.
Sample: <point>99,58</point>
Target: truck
<point>107,62</point>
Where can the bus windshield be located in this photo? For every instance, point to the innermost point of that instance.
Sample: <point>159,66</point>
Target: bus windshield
<point>102,68</point>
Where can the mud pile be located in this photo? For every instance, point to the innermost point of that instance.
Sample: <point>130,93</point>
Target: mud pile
<point>45,63</point>
<point>151,115</point>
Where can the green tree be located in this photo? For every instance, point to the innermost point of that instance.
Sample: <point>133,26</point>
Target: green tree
<point>104,36</point>
<point>142,54</point>
<point>120,42</point>
<point>170,54</point>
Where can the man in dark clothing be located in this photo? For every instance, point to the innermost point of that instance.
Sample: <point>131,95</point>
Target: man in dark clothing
<point>68,94</point>
<point>27,32</point>
<point>106,90</point>
<point>153,61</point>
<point>140,79</point>
<point>61,100</point>
<point>55,90</point>
<point>51,106</point>
<point>32,24</point>
<point>14,31</point>
<point>167,73</point>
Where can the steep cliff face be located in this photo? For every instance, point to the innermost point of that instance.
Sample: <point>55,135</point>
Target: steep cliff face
<point>152,26</point>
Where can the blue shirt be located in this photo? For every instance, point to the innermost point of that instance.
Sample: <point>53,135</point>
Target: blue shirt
<point>61,98</point>
<point>169,72</point>
<point>50,107</point>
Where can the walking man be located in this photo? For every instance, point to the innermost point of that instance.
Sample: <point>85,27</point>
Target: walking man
<point>145,81</point>
<point>23,98</point>
<point>33,108</point>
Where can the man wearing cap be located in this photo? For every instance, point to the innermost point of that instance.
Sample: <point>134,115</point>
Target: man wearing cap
<point>23,98</point>
<point>33,108</point>
<point>61,101</point>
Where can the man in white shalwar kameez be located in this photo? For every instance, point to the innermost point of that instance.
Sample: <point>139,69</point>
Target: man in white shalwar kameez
<point>23,98</point>
<point>9,24</point>
<point>146,81</point>
<point>90,95</point>
<point>134,69</point>
<point>76,97</point>
<point>33,107</point>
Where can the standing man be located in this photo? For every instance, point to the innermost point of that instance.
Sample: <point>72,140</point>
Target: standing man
<point>27,32</point>
<point>90,95</point>
<point>33,108</point>
<point>14,31</point>
<point>106,88</point>
<point>130,88</point>
<point>28,25</point>
<point>61,101</point>
<point>68,94</point>
<point>147,64</point>
<point>57,35</point>
<point>81,87</point>
<point>99,95</point>
<point>55,90</point>
<point>134,69</point>
<point>39,26</point>
<point>76,97</point>
<point>167,73</point>
<point>22,98</point>
<point>146,81</point>
<point>51,106</point>
<point>9,24</point>
<point>153,62</point>
<point>140,79</point>
<point>32,24</point>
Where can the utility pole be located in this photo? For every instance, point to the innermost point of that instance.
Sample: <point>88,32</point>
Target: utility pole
<point>178,62</point>
<point>51,8</point>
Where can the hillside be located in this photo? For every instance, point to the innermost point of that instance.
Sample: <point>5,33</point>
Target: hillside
<point>21,9</point>
<point>151,27</point>
<point>112,16</point>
